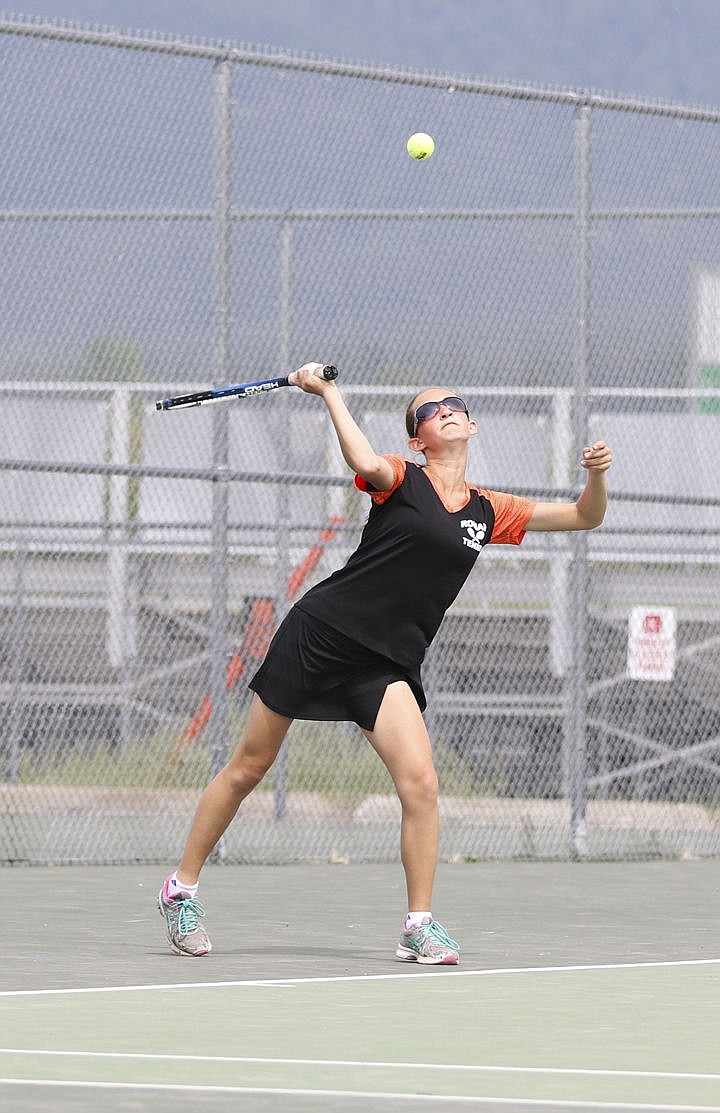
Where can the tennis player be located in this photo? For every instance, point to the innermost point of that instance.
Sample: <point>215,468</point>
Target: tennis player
<point>351,648</point>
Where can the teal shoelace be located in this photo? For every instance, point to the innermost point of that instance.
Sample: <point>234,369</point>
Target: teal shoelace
<point>437,933</point>
<point>189,913</point>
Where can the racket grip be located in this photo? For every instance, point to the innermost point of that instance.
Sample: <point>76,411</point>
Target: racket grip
<point>328,372</point>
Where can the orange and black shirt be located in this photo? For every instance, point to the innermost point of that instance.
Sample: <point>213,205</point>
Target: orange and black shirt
<point>414,556</point>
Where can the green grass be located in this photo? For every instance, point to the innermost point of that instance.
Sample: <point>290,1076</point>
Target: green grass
<point>328,758</point>
<point>339,763</point>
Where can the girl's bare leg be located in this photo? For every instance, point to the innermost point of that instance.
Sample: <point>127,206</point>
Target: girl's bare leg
<point>401,739</point>
<point>257,749</point>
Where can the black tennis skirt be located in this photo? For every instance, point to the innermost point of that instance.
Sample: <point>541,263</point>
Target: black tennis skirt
<point>312,671</point>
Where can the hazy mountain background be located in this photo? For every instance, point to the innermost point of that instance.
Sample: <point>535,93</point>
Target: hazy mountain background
<point>665,49</point>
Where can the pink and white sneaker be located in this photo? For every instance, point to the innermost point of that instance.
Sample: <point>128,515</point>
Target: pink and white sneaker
<point>182,914</point>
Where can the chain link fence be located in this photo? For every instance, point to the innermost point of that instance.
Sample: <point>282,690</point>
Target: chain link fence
<point>176,213</point>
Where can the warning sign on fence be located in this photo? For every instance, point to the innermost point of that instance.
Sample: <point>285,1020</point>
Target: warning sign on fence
<point>651,643</point>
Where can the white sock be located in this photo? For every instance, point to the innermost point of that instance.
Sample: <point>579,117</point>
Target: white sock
<point>175,887</point>
<point>414,919</point>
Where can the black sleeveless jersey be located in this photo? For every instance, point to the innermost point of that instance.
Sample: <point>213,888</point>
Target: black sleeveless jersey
<point>414,556</point>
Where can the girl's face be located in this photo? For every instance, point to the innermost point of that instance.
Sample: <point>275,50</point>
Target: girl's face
<point>440,414</point>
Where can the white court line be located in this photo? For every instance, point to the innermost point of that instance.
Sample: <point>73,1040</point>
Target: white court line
<point>484,1068</point>
<point>417,973</point>
<point>364,1095</point>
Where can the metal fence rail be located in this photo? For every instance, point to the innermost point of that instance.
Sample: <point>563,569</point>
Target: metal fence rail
<point>175,212</point>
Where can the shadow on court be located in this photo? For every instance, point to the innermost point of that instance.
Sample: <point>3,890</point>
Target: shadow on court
<point>589,983</point>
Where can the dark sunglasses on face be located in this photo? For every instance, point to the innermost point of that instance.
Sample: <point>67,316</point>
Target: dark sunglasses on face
<point>428,410</point>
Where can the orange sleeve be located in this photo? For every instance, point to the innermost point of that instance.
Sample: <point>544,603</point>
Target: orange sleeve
<point>512,514</point>
<point>398,465</point>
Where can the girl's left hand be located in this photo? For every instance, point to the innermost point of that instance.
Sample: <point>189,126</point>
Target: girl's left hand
<point>597,457</point>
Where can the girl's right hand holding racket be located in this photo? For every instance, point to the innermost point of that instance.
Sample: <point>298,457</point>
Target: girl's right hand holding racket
<point>313,377</point>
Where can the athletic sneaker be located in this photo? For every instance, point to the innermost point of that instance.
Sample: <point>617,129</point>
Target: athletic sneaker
<point>182,918</point>
<point>429,944</point>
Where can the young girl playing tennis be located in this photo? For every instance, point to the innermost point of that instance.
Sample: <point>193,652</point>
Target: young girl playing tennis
<point>351,648</point>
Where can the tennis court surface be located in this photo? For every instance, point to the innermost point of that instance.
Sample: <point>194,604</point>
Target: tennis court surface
<point>582,986</point>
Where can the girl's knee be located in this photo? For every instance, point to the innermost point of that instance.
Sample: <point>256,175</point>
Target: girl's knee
<point>420,790</point>
<point>244,774</point>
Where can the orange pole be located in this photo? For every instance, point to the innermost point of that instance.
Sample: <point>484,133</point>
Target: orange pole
<point>256,639</point>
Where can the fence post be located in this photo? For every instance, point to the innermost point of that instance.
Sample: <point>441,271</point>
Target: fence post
<point>559,546</point>
<point>118,620</point>
<point>576,692</point>
<point>121,598</point>
<point>282,550</point>
<point>220,438</point>
<point>16,709</point>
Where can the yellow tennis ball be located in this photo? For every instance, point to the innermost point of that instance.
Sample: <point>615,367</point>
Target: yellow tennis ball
<point>420,145</point>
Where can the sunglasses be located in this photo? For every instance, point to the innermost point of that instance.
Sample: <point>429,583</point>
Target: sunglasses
<point>429,410</point>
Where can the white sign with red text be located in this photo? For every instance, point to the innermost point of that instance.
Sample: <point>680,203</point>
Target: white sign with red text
<point>651,643</point>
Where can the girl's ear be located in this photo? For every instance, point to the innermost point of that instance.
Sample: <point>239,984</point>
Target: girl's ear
<point>415,444</point>
<point>472,427</point>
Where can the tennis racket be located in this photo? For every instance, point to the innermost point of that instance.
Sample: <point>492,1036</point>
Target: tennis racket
<point>242,390</point>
